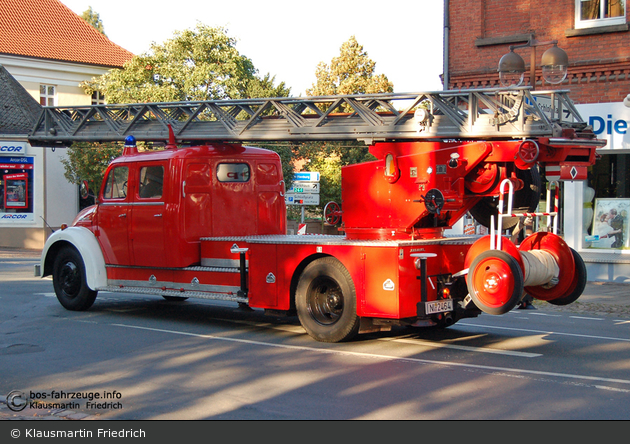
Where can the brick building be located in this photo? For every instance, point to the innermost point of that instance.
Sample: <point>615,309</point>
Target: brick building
<point>46,51</point>
<point>595,35</point>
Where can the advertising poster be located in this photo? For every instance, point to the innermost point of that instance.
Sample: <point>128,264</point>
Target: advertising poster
<point>16,189</point>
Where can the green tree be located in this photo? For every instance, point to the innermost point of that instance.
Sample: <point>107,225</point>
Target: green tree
<point>94,19</point>
<point>196,64</point>
<point>88,161</point>
<point>352,72</point>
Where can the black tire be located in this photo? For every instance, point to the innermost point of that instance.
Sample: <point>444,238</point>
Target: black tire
<point>326,301</point>
<point>525,200</point>
<point>579,282</point>
<point>69,281</point>
<point>504,274</point>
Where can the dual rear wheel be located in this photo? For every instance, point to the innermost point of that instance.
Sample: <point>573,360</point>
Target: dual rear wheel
<point>326,301</point>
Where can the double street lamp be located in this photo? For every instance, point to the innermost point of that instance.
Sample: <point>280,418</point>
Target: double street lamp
<point>555,63</point>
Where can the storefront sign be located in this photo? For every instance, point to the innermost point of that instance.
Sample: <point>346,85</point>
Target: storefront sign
<point>12,148</point>
<point>610,121</point>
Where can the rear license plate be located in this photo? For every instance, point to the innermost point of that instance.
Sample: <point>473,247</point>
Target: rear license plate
<point>438,306</point>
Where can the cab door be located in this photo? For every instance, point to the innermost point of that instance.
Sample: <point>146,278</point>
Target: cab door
<point>147,216</point>
<point>114,212</point>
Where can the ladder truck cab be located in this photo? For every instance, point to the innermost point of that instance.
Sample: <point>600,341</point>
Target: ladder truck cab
<point>206,218</point>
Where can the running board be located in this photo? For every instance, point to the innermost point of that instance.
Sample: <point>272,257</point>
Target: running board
<point>177,293</point>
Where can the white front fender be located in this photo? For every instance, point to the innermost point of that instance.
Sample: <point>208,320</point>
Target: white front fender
<point>86,244</point>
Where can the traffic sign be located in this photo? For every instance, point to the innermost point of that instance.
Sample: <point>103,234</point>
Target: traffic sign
<point>301,199</point>
<point>306,176</point>
<point>304,187</point>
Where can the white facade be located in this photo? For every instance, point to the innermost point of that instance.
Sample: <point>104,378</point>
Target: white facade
<point>52,200</point>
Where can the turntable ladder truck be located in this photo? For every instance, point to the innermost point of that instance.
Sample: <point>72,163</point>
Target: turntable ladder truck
<point>216,226</point>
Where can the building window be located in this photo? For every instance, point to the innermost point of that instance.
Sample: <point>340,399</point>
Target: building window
<point>592,13</point>
<point>47,95</point>
<point>98,98</point>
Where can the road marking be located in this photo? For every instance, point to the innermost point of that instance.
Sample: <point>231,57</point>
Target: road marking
<point>545,314</point>
<point>526,330</point>
<point>300,330</point>
<point>588,319</point>
<point>463,347</point>
<point>379,356</point>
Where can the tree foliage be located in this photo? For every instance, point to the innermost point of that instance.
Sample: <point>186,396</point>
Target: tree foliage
<point>94,19</point>
<point>352,72</point>
<point>196,64</point>
<point>88,161</point>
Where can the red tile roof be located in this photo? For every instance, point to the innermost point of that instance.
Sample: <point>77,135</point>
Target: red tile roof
<point>47,29</point>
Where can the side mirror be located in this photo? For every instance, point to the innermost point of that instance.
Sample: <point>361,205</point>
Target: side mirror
<point>84,190</point>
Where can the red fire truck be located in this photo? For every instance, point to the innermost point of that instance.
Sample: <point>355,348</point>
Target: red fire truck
<point>205,217</point>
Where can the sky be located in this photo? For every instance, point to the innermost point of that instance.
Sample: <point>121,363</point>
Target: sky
<point>288,38</point>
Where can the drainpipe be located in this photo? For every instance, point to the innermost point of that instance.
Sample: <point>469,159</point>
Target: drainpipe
<point>447,27</point>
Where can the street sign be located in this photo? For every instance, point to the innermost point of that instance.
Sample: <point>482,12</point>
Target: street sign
<point>304,187</point>
<point>301,199</point>
<point>306,176</point>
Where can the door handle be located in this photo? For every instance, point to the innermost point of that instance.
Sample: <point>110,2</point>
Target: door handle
<point>122,215</point>
<point>157,215</point>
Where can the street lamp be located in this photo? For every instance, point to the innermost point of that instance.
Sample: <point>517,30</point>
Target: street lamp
<point>554,63</point>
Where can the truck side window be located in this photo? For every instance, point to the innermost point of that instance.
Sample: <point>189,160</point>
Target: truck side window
<point>116,185</point>
<point>233,172</point>
<point>151,179</point>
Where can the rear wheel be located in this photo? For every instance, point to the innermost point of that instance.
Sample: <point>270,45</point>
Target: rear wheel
<point>495,282</point>
<point>69,281</point>
<point>326,302</point>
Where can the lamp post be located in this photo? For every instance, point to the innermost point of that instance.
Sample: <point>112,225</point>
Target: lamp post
<point>554,63</point>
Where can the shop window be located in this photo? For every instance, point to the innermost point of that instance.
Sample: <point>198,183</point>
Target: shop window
<point>593,13</point>
<point>607,203</point>
<point>47,95</point>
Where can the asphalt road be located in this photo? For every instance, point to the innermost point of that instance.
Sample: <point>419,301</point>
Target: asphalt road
<point>143,357</point>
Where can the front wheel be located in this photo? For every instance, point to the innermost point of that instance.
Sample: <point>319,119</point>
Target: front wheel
<point>326,301</point>
<point>69,281</point>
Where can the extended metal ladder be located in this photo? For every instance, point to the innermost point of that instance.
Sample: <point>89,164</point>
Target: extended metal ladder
<point>465,114</point>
